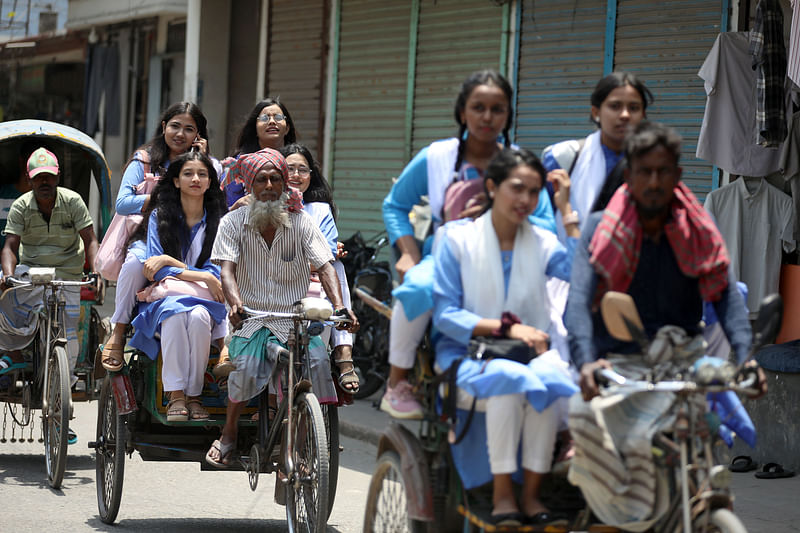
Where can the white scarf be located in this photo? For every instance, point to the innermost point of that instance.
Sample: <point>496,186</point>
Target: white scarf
<point>441,160</point>
<point>482,273</point>
<point>587,178</point>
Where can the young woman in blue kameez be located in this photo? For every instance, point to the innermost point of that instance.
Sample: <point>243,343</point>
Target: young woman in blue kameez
<point>187,207</point>
<point>489,280</point>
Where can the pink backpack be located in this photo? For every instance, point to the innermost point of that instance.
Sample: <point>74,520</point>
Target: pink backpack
<point>460,195</point>
<point>111,253</point>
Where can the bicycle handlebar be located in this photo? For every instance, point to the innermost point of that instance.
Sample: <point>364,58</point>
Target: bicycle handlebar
<point>17,283</point>
<point>612,381</point>
<point>253,314</point>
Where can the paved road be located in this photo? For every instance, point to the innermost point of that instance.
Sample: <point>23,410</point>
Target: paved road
<point>174,497</point>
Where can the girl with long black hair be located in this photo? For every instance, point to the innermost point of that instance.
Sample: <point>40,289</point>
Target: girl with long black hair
<point>180,232</point>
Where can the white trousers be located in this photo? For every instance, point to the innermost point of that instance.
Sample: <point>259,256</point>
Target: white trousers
<point>510,418</point>
<point>185,342</point>
<point>130,281</point>
<point>405,335</point>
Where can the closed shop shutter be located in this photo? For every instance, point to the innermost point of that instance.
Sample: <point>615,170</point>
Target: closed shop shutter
<point>298,32</point>
<point>666,46</point>
<point>368,139</point>
<point>560,62</point>
<point>455,38</point>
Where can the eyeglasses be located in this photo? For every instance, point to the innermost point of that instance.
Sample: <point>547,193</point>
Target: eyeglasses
<point>302,171</point>
<point>266,117</point>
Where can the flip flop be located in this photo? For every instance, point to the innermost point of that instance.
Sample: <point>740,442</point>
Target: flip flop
<point>742,463</point>
<point>225,451</point>
<point>773,471</point>
<point>7,365</point>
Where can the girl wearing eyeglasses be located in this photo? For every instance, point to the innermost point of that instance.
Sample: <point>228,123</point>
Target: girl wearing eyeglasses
<point>304,175</point>
<point>269,125</point>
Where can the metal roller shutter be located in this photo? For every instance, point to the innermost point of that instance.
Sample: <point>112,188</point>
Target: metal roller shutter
<point>296,59</point>
<point>368,141</point>
<point>666,45</point>
<point>450,46</point>
<point>560,62</point>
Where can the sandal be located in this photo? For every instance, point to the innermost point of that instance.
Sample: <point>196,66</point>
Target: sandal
<point>225,451</point>
<point>176,410</point>
<point>196,409</point>
<point>113,357</point>
<point>348,380</point>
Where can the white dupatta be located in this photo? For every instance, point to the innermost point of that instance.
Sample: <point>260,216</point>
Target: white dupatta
<point>482,273</point>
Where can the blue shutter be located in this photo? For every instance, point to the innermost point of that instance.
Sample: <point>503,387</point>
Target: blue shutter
<point>560,62</point>
<point>666,44</point>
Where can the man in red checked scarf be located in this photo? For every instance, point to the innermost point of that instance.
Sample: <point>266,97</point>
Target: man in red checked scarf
<point>655,242</point>
<point>265,251</point>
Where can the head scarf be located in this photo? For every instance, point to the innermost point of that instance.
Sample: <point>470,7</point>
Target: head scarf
<point>247,166</point>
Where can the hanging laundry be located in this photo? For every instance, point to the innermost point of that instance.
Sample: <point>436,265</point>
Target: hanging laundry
<point>102,77</point>
<point>756,223</point>
<point>769,62</point>
<point>729,123</point>
<point>793,68</point>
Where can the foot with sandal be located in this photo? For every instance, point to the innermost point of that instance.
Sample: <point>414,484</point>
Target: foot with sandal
<point>182,408</point>
<point>348,379</point>
<point>113,355</point>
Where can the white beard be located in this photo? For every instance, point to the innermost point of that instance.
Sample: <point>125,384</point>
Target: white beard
<point>270,214</point>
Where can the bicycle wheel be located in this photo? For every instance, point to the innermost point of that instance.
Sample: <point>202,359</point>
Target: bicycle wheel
<point>55,421</point>
<point>387,503</point>
<point>331,415</point>
<point>307,491</point>
<point>109,454</point>
<point>720,521</point>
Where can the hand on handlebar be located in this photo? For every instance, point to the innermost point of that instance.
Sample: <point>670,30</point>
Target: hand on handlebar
<point>587,382</point>
<point>236,315</point>
<point>353,326</point>
<point>760,388</point>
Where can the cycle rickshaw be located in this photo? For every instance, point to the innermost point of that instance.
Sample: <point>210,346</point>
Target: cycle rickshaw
<point>44,384</point>
<point>415,487</point>
<point>300,444</point>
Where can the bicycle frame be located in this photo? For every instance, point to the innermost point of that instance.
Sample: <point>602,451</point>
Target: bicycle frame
<point>53,306</point>
<point>691,440</point>
<point>299,340</point>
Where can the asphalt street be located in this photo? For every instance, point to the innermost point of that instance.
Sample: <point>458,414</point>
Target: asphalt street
<point>160,496</point>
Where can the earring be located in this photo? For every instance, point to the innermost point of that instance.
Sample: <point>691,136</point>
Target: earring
<point>491,195</point>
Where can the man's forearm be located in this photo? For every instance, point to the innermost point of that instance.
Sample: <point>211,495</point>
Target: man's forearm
<point>330,284</point>
<point>229,286</point>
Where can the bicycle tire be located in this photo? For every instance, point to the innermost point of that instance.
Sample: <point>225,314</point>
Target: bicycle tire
<point>721,521</point>
<point>306,504</point>
<point>387,500</point>
<point>331,415</point>
<point>55,419</point>
<point>109,455</point>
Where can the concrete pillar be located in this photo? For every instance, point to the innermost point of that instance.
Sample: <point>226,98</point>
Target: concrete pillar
<point>192,64</point>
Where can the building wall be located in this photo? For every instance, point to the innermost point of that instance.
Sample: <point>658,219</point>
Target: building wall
<point>83,13</point>
<point>212,90</point>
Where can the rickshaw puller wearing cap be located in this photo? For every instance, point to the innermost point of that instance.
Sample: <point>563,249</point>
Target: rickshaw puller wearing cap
<point>49,226</point>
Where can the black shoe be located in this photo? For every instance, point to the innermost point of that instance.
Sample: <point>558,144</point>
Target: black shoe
<point>546,518</point>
